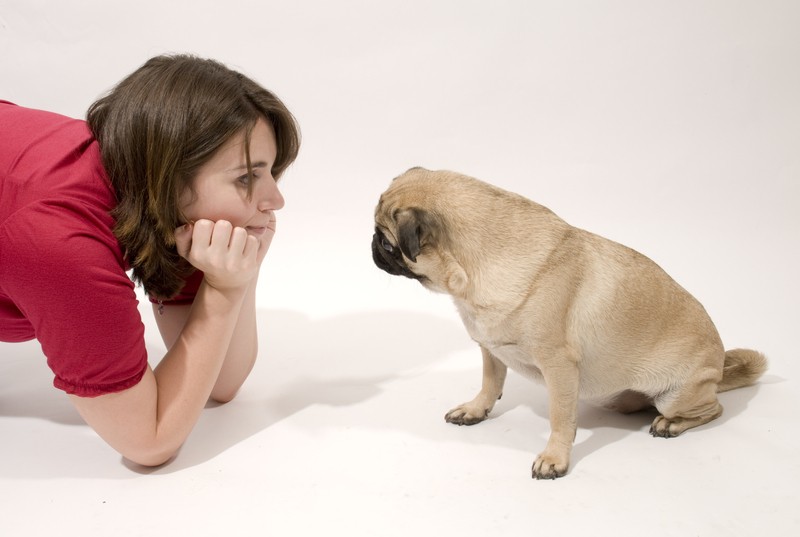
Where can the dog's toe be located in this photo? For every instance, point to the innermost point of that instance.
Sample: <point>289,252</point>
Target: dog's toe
<point>549,467</point>
<point>664,428</point>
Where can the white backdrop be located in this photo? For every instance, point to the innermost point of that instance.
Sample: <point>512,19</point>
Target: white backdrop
<point>672,127</point>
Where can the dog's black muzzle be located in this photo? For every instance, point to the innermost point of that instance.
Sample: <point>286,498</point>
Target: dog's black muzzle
<point>388,257</point>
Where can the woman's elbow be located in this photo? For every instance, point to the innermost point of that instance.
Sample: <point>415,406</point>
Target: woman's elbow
<point>151,456</point>
<point>228,386</point>
<point>222,395</point>
<point>151,460</point>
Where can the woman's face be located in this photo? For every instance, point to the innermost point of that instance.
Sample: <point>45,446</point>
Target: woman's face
<point>219,190</point>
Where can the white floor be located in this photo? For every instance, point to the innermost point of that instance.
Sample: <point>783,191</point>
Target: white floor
<point>671,127</point>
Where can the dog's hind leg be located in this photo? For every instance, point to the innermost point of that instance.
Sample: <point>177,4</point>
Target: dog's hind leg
<point>494,377</point>
<point>685,407</point>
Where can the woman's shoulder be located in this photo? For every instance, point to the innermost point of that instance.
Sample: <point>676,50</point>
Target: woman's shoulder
<point>19,121</point>
<point>38,138</point>
<point>47,156</point>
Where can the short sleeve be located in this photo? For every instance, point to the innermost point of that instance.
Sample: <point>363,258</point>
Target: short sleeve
<point>65,273</point>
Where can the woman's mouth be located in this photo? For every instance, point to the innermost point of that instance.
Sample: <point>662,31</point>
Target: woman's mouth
<point>257,231</point>
<point>269,225</point>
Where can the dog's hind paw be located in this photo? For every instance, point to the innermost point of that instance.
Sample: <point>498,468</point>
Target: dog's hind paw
<point>466,415</point>
<point>663,428</point>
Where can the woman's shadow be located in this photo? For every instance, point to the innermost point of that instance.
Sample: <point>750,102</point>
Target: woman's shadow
<point>26,386</point>
<point>338,361</point>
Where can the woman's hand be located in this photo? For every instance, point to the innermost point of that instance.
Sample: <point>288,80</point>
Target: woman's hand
<point>228,256</point>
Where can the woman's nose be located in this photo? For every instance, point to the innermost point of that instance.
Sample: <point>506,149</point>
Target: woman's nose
<point>269,196</point>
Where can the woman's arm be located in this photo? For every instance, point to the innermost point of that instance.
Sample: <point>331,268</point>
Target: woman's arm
<point>242,351</point>
<point>150,421</point>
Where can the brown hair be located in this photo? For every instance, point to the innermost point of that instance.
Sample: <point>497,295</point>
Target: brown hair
<point>155,129</point>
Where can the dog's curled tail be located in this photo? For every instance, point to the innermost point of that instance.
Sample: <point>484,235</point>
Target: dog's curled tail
<point>742,368</point>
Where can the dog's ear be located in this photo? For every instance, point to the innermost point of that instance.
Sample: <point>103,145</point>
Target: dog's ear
<point>413,226</point>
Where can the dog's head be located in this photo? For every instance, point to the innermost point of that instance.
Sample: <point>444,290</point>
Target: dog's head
<point>413,234</point>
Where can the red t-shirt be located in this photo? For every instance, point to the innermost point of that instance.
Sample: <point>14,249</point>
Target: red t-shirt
<point>63,276</point>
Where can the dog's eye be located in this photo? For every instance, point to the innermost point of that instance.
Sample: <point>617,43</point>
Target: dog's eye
<point>386,245</point>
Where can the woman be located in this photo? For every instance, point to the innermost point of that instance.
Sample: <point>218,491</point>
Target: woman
<point>172,177</point>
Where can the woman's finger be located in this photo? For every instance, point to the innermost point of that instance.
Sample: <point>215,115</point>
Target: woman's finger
<point>202,233</point>
<point>221,234</point>
<point>238,240</point>
<point>183,240</point>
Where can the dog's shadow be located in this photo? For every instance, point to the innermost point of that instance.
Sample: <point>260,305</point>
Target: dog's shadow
<point>597,427</point>
<point>601,427</point>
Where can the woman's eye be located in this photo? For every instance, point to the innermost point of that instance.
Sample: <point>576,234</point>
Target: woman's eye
<point>246,179</point>
<point>386,245</point>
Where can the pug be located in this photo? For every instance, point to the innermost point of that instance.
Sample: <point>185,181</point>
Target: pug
<point>589,318</point>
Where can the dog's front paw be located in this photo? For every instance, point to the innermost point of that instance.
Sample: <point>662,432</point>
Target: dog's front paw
<point>549,466</point>
<point>466,414</point>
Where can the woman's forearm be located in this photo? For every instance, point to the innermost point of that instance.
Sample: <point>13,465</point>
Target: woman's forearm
<point>187,373</point>
<point>242,351</point>
<point>148,422</point>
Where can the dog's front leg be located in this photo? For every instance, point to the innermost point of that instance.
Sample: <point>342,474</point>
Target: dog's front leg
<point>494,377</point>
<point>563,383</point>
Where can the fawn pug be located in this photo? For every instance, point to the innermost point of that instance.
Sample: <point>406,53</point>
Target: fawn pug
<point>588,317</point>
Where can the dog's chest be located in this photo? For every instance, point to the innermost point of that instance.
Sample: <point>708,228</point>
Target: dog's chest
<point>502,342</point>
<point>481,328</point>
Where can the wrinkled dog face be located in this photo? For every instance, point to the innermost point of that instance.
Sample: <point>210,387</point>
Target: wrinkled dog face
<point>411,237</point>
<point>401,233</point>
